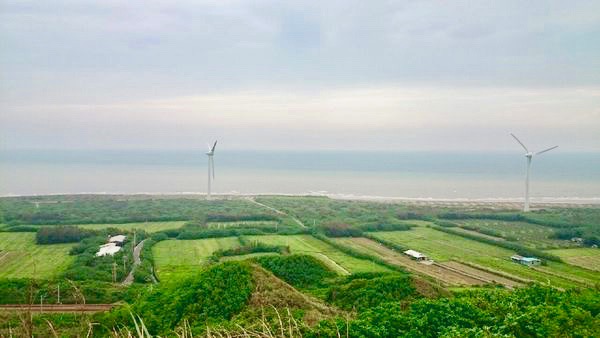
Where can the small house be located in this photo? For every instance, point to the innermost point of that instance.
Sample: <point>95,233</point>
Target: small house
<point>415,255</point>
<point>108,249</point>
<point>529,261</point>
<point>118,240</point>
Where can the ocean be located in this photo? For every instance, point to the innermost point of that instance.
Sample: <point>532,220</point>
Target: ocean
<point>436,175</point>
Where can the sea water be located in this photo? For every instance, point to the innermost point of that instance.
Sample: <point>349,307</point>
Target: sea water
<point>438,175</point>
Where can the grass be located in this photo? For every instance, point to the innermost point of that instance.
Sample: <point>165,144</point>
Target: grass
<point>21,257</point>
<point>149,227</point>
<point>445,247</point>
<point>242,224</point>
<point>248,256</point>
<point>333,258</point>
<point>531,235</point>
<point>588,258</point>
<point>186,256</point>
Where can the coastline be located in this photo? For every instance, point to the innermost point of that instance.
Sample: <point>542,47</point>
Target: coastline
<point>510,202</point>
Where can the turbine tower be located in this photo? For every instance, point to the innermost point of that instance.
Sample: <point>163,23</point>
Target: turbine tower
<point>211,166</point>
<point>529,155</point>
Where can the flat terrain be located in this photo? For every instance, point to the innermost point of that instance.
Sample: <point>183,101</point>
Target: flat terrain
<point>332,257</point>
<point>443,247</point>
<point>146,226</point>
<point>187,256</point>
<point>20,257</point>
<point>588,258</point>
<point>446,276</point>
<point>57,308</point>
<point>243,224</point>
<point>532,235</point>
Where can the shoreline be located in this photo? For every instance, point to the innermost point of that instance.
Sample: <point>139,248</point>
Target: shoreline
<point>502,201</point>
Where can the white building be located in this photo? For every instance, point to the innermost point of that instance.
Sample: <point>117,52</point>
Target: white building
<point>108,249</point>
<point>529,261</point>
<point>118,239</point>
<point>415,255</point>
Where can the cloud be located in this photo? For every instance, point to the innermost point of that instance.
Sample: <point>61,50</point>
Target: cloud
<point>371,74</point>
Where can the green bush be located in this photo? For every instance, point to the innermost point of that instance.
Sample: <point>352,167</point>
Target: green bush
<point>62,234</point>
<point>298,270</point>
<point>213,295</point>
<point>362,293</point>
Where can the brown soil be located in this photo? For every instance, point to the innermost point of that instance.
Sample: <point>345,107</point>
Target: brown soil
<point>487,276</point>
<point>57,307</point>
<point>436,271</point>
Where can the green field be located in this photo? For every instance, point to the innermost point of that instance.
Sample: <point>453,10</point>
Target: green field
<point>588,258</point>
<point>444,247</point>
<point>20,257</point>
<point>186,256</point>
<point>146,226</point>
<point>242,224</point>
<point>247,256</point>
<point>332,257</point>
<point>531,235</point>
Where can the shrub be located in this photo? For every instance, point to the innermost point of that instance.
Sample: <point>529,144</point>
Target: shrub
<point>387,226</point>
<point>211,296</point>
<point>62,234</point>
<point>298,270</point>
<point>340,230</point>
<point>361,293</point>
<point>20,228</point>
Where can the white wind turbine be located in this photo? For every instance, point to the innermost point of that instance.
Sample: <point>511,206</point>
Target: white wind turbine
<point>529,155</point>
<point>211,165</point>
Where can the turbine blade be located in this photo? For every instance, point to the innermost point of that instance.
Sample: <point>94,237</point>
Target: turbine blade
<point>213,147</point>
<point>521,143</point>
<point>545,150</point>
<point>208,146</point>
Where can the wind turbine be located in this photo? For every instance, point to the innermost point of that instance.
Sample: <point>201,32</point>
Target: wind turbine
<point>529,155</point>
<point>211,166</point>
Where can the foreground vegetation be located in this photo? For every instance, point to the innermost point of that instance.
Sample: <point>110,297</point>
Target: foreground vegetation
<point>311,267</point>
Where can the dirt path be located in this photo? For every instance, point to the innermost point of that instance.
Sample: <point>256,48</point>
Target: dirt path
<point>439,272</point>
<point>136,261</point>
<point>487,276</point>
<point>332,262</point>
<point>57,307</point>
<point>299,222</point>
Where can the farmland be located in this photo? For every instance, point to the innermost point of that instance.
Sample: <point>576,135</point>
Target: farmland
<point>149,227</point>
<point>532,235</point>
<point>344,261</point>
<point>588,258</point>
<point>20,257</point>
<point>335,259</point>
<point>447,276</point>
<point>242,224</point>
<point>444,247</point>
<point>181,257</point>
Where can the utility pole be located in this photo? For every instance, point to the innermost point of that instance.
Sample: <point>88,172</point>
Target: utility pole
<point>41,303</point>
<point>114,272</point>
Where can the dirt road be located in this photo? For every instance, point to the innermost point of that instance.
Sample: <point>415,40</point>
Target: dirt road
<point>57,307</point>
<point>136,261</point>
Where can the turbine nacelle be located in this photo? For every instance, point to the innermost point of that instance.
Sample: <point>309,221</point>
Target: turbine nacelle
<point>529,155</point>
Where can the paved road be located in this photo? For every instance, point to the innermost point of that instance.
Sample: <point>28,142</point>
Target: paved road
<point>57,307</point>
<point>136,262</point>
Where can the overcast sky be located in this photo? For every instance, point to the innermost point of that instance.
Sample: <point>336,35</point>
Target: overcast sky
<point>382,75</point>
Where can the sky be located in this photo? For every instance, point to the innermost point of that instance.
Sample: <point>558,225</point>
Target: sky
<point>300,75</point>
